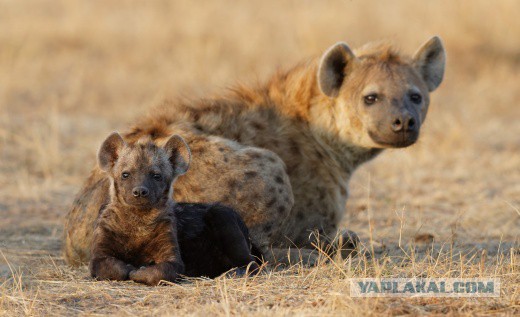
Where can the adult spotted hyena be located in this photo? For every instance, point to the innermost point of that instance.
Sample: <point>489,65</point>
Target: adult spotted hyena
<point>282,153</point>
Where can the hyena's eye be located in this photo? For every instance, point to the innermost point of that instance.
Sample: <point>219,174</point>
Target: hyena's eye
<point>416,98</point>
<point>125,175</point>
<point>370,99</point>
<point>157,177</point>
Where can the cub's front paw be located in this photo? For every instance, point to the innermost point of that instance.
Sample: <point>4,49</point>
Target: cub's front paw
<point>145,275</point>
<point>110,269</point>
<point>152,275</point>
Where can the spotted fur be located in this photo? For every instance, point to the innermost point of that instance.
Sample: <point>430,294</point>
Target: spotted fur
<point>282,152</point>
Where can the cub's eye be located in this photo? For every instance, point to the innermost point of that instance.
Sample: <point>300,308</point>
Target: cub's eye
<point>370,99</point>
<point>157,177</point>
<point>416,98</point>
<point>125,175</point>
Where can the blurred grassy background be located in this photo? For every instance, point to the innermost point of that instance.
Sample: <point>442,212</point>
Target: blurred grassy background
<point>72,71</point>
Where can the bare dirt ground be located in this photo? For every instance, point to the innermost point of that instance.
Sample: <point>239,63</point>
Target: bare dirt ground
<point>71,72</point>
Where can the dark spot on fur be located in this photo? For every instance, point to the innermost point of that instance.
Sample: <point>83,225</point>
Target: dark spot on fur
<point>321,193</point>
<point>319,155</point>
<point>279,179</point>
<point>280,190</point>
<point>267,228</point>
<point>343,191</point>
<point>196,189</point>
<point>232,183</point>
<point>281,209</point>
<point>258,125</point>
<point>295,149</point>
<point>271,190</point>
<point>256,197</point>
<point>271,159</point>
<point>221,149</point>
<point>271,203</point>
<point>254,155</point>
<point>154,133</point>
<point>225,159</point>
<point>250,174</point>
<point>198,127</point>
<point>299,216</point>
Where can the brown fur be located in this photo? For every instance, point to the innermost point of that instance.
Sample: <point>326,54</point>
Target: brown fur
<point>141,245</point>
<point>282,153</point>
<point>135,236</point>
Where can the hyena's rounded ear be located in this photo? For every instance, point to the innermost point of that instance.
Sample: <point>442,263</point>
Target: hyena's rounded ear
<point>109,151</point>
<point>332,69</point>
<point>430,61</point>
<point>180,154</point>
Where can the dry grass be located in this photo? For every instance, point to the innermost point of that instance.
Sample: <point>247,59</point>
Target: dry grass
<point>71,72</point>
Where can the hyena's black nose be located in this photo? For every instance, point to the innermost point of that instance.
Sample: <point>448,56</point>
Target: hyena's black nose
<point>404,123</point>
<point>140,191</point>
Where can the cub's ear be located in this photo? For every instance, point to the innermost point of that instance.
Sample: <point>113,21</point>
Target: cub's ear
<point>332,69</point>
<point>109,151</point>
<point>430,61</point>
<point>180,154</point>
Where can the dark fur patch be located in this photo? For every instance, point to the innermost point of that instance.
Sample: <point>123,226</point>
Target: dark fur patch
<point>232,183</point>
<point>250,174</point>
<point>258,125</point>
<point>254,155</point>
<point>271,202</point>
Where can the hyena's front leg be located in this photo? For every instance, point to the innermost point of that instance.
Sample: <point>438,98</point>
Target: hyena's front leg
<point>344,241</point>
<point>109,268</point>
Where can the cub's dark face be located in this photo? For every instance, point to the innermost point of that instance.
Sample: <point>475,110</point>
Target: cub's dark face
<point>142,174</point>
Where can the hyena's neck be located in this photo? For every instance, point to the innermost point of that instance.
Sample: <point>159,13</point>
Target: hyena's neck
<point>296,95</point>
<point>139,217</point>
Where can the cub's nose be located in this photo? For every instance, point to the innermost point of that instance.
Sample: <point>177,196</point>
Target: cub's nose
<point>404,123</point>
<point>140,191</point>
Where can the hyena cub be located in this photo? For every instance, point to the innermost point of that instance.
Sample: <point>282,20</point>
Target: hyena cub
<point>137,233</point>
